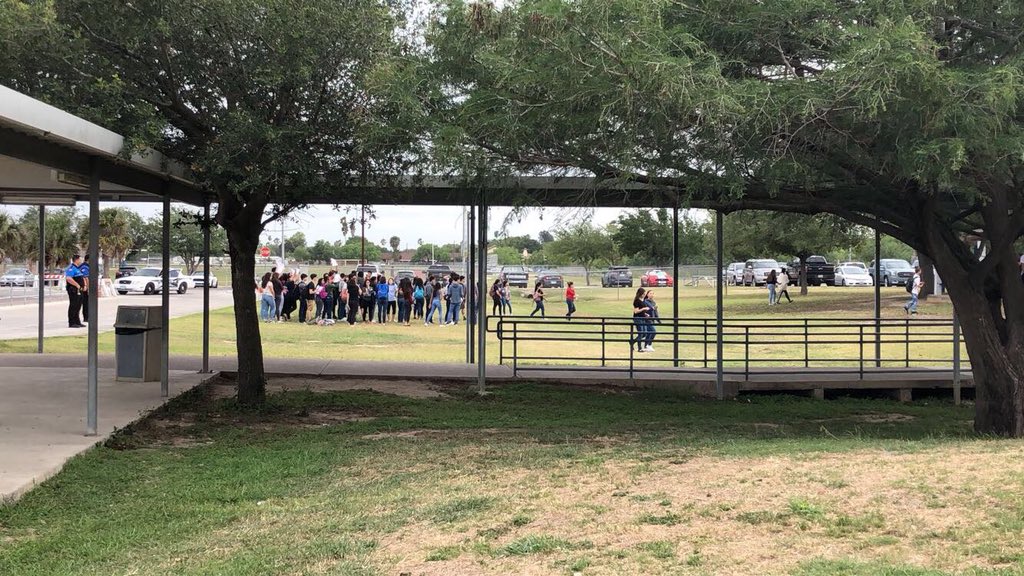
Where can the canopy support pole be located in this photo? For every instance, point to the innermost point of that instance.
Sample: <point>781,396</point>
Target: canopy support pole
<point>94,313</point>
<point>41,273</point>
<point>165,294</point>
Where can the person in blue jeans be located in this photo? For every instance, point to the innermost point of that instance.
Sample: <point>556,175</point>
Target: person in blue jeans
<point>641,314</point>
<point>915,290</point>
<point>268,307</point>
<point>652,318</point>
<point>538,300</point>
<point>382,300</point>
<point>456,292</point>
<point>435,304</point>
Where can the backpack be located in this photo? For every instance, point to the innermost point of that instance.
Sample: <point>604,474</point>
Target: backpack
<point>321,291</point>
<point>909,286</point>
<point>418,294</point>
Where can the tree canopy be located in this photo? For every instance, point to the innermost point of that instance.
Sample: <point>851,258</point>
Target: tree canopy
<point>902,116</point>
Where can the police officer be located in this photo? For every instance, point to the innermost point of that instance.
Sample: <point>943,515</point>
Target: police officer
<point>72,278</point>
<point>84,282</point>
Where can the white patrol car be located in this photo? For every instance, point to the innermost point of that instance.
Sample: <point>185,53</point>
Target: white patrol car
<point>149,281</point>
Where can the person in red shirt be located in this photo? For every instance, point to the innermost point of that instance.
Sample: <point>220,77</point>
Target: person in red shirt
<point>570,301</point>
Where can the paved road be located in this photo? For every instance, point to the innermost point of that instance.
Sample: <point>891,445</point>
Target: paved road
<point>21,321</point>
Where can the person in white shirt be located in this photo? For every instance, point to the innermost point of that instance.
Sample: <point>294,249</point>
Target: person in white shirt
<point>915,289</point>
<point>783,281</point>
<point>1021,264</point>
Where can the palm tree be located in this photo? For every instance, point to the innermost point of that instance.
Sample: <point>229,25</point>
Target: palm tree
<point>118,230</point>
<point>395,243</point>
<point>11,237</point>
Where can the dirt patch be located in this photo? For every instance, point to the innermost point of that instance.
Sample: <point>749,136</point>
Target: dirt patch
<point>406,388</point>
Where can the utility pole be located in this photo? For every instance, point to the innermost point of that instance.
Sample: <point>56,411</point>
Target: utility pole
<point>282,240</point>
<point>362,237</point>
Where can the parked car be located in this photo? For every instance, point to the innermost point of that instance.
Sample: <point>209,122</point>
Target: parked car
<point>895,272</point>
<point>516,276</point>
<point>550,280</point>
<point>438,271</point>
<point>368,269</point>
<point>819,271</point>
<point>853,276</point>
<point>617,276</point>
<point>860,265</point>
<point>404,274</point>
<point>656,278</point>
<point>149,281</point>
<point>18,277</point>
<point>199,281</point>
<point>125,270</point>
<point>734,273</point>
<point>755,271</point>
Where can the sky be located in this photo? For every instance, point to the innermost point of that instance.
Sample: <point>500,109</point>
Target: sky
<point>431,224</point>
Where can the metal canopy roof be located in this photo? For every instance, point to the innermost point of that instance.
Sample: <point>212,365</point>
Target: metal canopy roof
<point>48,154</point>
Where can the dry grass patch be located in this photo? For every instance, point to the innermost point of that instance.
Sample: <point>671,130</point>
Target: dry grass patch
<point>933,509</point>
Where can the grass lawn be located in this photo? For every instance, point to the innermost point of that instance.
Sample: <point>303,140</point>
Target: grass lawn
<point>529,480</point>
<point>436,344</point>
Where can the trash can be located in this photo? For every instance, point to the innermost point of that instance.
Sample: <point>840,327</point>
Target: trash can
<point>137,340</point>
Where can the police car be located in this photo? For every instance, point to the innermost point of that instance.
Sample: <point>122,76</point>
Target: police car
<point>149,281</point>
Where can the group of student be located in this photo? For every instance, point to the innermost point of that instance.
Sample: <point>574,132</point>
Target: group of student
<point>501,299</point>
<point>778,286</point>
<point>333,298</point>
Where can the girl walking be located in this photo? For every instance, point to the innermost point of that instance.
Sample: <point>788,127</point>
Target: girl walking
<point>435,305</point>
<point>506,296</point>
<point>771,281</point>
<point>640,314</point>
<point>538,300</point>
<point>570,301</point>
<point>498,306</point>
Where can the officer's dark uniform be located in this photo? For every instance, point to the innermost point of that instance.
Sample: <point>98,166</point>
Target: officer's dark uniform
<point>84,271</point>
<point>74,295</point>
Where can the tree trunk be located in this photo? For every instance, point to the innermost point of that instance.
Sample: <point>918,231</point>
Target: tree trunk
<point>803,276</point>
<point>927,276</point>
<point>990,307</point>
<point>586,275</point>
<point>243,232</point>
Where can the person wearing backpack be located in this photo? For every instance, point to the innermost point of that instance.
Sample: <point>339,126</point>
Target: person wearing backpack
<point>914,288</point>
<point>382,300</point>
<point>538,300</point>
<point>418,296</point>
<point>783,287</point>
<point>497,306</point>
<point>300,289</point>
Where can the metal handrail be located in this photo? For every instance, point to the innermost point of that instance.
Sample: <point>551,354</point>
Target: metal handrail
<point>741,339</point>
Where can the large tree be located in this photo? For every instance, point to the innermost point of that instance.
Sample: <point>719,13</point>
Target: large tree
<point>266,100</point>
<point>121,230</point>
<point>901,116</point>
<point>581,244</point>
<point>186,235</point>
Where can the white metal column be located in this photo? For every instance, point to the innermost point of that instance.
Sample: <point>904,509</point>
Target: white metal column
<point>94,263</point>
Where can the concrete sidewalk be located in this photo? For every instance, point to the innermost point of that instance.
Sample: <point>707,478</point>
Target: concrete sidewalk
<point>22,321</point>
<point>42,418</point>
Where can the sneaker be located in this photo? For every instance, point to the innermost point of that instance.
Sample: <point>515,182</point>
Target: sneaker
<point>642,350</point>
<point>650,348</point>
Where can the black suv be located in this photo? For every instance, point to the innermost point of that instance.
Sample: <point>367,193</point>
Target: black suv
<point>617,276</point>
<point>438,271</point>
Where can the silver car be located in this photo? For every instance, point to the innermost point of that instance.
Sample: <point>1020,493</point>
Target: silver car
<point>734,273</point>
<point>18,277</point>
<point>755,271</point>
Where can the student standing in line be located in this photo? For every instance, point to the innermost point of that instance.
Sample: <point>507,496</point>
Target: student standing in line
<point>392,299</point>
<point>783,287</point>
<point>382,300</point>
<point>915,290</point>
<point>72,274</point>
<point>275,279</point>
<point>303,290</point>
<point>640,314</point>
<point>320,297</point>
<point>419,295</point>
<point>538,300</point>
<point>455,295</point>
<point>268,301</point>
<point>353,298</point>
<point>570,301</point>
<point>84,281</point>
<point>435,304</point>
<point>506,295</point>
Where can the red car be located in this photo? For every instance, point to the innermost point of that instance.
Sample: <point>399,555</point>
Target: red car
<point>653,278</point>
